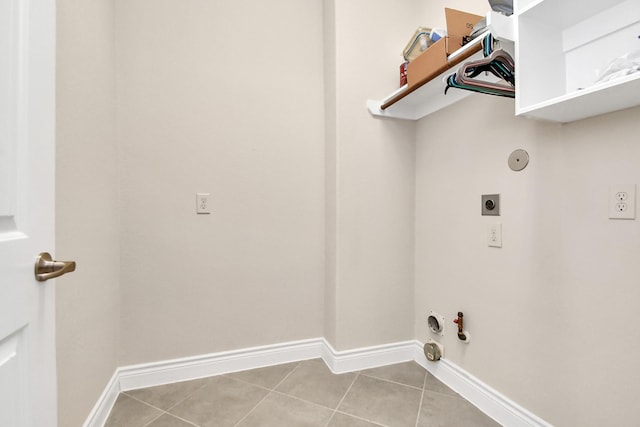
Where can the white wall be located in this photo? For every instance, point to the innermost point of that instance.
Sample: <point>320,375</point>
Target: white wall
<point>551,313</point>
<point>87,207</point>
<point>225,98</point>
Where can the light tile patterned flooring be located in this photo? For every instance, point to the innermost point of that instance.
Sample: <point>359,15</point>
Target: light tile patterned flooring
<point>301,394</point>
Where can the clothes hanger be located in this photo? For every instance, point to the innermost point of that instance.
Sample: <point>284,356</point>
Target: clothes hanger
<point>497,62</point>
<point>451,82</point>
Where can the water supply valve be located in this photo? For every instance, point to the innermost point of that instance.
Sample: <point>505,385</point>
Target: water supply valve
<point>462,334</point>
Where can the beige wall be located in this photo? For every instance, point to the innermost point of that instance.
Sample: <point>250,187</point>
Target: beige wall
<point>330,173</point>
<point>215,98</point>
<point>370,167</point>
<point>268,114</point>
<point>87,207</point>
<point>551,313</point>
<point>431,14</point>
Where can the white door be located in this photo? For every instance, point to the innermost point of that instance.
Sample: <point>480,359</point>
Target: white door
<point>27,156</point>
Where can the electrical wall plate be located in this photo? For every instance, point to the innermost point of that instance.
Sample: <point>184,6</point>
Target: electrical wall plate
<point>622,201</point>
<point>203,203</point>
<point>491,204</point>
<point>495,235</point>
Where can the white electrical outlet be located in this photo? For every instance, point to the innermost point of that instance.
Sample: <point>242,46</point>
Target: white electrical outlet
<point>495,235</point>
<point>622,201</point>
<point>203,203</point>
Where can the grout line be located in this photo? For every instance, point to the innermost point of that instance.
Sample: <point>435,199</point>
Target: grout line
<point>310,403</point>
<point>273,390</point>
<point>240,380</point>
<point>190,394</point>
<point>394,382</point>
<point>439,393</point>
<point>330,418</point>
<point>424,384</point>
<point>269,391</point>
<point>287,376</point>
<point>361,418</point>
<point>281,393</point>
<point>348,390</point>
<point>154,419</point>
<point>260,385</point>
<point>343,397</point>
<point>162,411</point>
<point>252,409</point>
<point>302,400</point>
<point>182,419</point>
<point>145,403</point>
<point>186,421</point>
<point>166,411</point>
<point>172,416</point>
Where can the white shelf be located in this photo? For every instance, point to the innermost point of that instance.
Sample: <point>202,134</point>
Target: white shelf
<point>560,46</point>
<point>606,97</point>
<point>565,13</point>
<point>425,100</point>
<point>430,97</point>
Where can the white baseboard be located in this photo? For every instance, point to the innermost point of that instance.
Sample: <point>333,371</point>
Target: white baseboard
<point>191,368</point>
<point>368,357</point>
<point>488,400</point>
<point>100,413</point>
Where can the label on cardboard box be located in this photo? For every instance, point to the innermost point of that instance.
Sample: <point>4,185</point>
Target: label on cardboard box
<point>460,23</point>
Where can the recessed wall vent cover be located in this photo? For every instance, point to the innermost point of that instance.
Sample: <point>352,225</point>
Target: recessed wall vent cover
<point>518,160</point>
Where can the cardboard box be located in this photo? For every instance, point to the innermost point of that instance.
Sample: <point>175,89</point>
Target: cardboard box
<point>433,61</point>
<point>460,23</point>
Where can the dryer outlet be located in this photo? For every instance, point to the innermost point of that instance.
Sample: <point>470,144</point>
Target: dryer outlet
<point>435,322</point>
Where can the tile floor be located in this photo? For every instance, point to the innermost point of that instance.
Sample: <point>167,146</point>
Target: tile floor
<point>301,394</point>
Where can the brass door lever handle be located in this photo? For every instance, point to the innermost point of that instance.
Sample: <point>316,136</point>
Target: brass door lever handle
<point>46,268</point>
